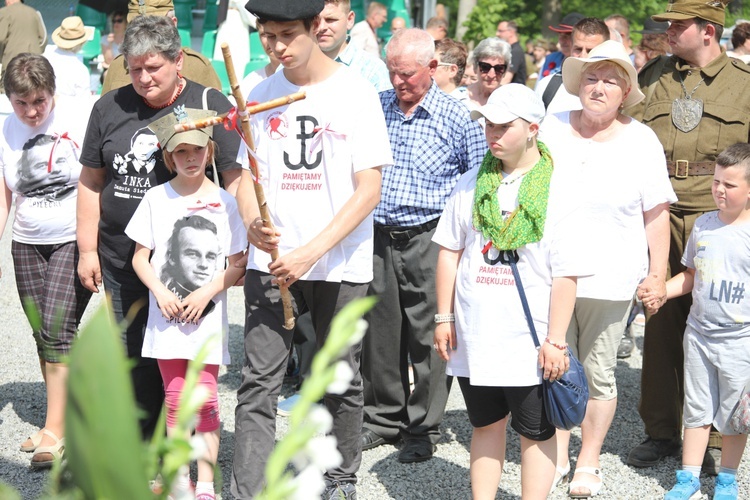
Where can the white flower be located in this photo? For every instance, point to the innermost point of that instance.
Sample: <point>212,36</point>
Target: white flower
<point>308,484</point>
<point>320,419</point>
<point>359,332</point>
<point>343,375</point>
<point>323,452</point>
<point>199,446</point>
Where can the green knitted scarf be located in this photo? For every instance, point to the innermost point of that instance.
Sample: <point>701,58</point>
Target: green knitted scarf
<point>526,224</point>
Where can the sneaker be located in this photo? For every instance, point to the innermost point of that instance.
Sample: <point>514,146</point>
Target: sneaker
<point>651,451</point>
<point>688,487</point>
<point>339,491</point>
<point>726,487</point>
<point>285,407</point>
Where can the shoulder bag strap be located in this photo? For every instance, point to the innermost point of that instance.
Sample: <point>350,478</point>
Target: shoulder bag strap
<point>511,257</point>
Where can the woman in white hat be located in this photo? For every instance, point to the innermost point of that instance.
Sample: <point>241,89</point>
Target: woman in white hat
<point>615,167</point>
<point>72,77</point>
<point>509,204</point>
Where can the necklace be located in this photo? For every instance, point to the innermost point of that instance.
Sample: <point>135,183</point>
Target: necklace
<point>687,112</point>
<point>505,182</point>
<point>171,101</point>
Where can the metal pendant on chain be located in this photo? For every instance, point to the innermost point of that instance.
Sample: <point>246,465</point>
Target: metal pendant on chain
<point>687,112</point>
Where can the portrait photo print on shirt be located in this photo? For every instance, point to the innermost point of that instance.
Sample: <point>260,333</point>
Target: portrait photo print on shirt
<point>46,166</point>
<point>193,256</point>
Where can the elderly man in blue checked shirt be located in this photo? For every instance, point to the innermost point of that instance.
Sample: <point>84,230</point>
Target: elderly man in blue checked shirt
<point>434,141</point>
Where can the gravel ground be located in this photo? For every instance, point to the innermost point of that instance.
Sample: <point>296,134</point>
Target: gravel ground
<point>446,476</point>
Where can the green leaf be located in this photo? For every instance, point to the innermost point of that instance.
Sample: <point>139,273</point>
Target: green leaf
<point>8,493</point>
<point>103,442</point>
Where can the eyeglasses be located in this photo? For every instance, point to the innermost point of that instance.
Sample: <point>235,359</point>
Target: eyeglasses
<point>445,64</point>
<point>486,67</point>
<point>118,20</point>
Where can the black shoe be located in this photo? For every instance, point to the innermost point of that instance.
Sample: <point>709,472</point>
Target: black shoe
<point>711,461</point>
<point>651,451</point>
<point>416,450</point>
<point>626,345</point>
<point>371,439</point>
<point>339,491</point>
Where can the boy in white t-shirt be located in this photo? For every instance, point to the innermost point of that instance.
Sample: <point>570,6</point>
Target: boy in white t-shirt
<point>717,336</point>
<point>320,161</point>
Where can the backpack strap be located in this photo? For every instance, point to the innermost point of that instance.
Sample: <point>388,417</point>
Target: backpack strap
<point>551,90</point>
<point>213,164</point>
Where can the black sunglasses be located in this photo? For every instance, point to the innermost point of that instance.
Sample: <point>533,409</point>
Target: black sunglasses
<point>485,67</point>
<point>118,20</point>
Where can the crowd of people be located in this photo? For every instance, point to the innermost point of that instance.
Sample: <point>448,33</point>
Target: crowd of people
<point>555,189</point>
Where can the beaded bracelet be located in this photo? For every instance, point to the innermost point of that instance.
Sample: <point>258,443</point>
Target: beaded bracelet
<point>445,318</point>
<point>562,347</point>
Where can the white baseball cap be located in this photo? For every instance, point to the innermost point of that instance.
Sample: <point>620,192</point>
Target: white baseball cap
<point>509,102</point>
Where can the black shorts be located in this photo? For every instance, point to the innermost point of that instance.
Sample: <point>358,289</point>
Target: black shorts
<point>487,405</point>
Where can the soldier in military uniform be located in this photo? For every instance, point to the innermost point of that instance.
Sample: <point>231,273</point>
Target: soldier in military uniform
<point>195,66</point>
<point>697,103</point>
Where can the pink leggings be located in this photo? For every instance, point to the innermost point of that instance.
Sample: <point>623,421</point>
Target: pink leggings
<point>173,374</point>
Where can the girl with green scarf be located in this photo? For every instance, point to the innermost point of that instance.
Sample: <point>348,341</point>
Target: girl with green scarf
<point>481,328</point>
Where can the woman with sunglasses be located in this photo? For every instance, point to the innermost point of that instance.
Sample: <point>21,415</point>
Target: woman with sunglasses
<point>491,57</point>
<point>118,22</point>
<point>39,150</point>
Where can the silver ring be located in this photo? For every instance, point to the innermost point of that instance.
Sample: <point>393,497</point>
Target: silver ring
<point>555,367</point>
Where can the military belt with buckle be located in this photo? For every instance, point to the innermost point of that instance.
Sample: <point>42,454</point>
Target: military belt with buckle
<point>681,169</point>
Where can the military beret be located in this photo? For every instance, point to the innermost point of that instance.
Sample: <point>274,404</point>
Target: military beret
<point>285,10</point>
<point>709,10</point>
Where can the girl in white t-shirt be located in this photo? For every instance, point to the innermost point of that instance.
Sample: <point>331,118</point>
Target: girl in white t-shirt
<point>508,204</point>
<point>184,231</point>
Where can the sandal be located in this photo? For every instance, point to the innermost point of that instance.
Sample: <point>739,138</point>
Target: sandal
<point>592,486</point>
<point>32,442</point>
<point>561,477</point>
<point>56,451</point>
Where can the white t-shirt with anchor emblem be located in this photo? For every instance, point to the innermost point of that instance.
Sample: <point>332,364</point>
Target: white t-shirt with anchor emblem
<point>309,152</point>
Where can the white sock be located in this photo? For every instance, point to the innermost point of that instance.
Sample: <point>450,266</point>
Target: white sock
<point>727,470</point>
<point>204,487</point>
<point>695,470</point>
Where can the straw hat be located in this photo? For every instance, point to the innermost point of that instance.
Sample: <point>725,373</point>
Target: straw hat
<point>573,69</point>
<point>71,33</point>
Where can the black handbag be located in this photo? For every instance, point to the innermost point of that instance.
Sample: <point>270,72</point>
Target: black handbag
<point>565,399</point>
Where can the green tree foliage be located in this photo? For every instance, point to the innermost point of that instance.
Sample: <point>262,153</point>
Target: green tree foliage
<point>483,20</point>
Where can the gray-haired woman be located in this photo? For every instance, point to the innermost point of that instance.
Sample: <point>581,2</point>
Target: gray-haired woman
<point>491,58</point>
<point>112,186</point>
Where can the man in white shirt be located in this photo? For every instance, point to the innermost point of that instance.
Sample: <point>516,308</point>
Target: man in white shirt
<point>364,34</point>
